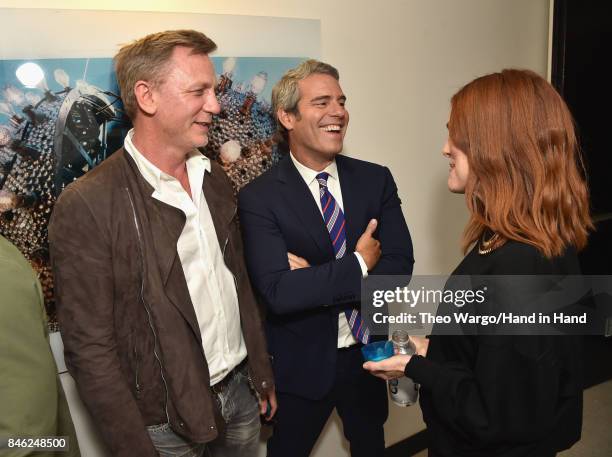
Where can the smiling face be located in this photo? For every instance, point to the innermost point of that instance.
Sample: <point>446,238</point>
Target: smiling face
<point>317,129</point>
<point>185,101</point>
<point>459,167</point>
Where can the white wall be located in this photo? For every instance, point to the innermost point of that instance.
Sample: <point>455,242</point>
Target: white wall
<point>400,61</point>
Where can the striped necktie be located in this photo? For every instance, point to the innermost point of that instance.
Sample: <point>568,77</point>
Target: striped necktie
<point>335,222</point>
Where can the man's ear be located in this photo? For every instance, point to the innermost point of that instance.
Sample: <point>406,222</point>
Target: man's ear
<point>285,118</point>
<point>143,90</point>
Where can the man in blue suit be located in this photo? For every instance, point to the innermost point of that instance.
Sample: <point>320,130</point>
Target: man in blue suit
<point>314,226</point>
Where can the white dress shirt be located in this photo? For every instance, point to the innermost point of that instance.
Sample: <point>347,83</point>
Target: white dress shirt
<point>345,336</point>
<point>211,284</point>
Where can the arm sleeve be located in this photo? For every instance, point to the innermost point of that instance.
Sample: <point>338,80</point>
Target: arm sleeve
<point>511,395</point>
<point>397,256</point>
<point>285,291</point>
<point>82,265</point>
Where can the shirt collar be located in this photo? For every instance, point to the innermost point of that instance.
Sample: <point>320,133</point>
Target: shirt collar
<point>309,175</point>
<point>153,175</point>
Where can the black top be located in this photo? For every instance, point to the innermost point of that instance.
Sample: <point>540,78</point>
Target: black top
<point>502,395</point>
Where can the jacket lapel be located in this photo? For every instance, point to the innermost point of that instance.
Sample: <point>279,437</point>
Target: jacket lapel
<point>221,202</point>
<point>164,224</point>
<point>300,201</point>
<point>354,204</point>
<point>167,225</point>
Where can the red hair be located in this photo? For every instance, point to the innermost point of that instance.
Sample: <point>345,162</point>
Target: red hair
<point>526,174</point>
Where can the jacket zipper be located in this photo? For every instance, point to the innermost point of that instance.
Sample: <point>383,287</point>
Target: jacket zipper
<point>144,303</point>
<point>228,234</point>
<point>136,373</point>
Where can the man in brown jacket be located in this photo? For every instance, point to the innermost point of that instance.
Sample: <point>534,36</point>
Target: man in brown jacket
<point>154,301</point>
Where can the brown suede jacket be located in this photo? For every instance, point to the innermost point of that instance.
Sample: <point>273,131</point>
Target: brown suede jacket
<point>131,337</point>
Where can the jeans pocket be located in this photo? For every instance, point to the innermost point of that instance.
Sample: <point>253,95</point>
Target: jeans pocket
<point>169,444</point>
<point>159,428</point>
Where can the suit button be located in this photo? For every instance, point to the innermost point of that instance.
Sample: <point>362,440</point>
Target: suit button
<point>264,384</point>
<point>182,424</point>
<point>212,427</point>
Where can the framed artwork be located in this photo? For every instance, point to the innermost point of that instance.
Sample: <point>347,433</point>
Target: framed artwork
<point>61,114</point>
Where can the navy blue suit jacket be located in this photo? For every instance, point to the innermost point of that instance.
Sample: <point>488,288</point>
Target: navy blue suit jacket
<point>278,215</point>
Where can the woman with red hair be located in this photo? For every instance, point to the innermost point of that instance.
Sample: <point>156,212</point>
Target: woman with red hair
<point>513,153</point>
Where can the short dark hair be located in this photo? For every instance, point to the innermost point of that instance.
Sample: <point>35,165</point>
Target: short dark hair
<point>147,58</point>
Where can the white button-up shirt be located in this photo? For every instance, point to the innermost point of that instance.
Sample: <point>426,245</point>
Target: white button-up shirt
<point>345,336</point>
<point>211,284</point>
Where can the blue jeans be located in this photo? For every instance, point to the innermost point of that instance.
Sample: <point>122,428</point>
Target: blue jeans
<point>240,438</point>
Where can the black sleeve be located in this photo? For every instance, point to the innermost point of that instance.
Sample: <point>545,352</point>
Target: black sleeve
<point>511,394</point>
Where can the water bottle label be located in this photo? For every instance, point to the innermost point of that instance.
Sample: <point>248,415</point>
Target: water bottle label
<point>403,391</point>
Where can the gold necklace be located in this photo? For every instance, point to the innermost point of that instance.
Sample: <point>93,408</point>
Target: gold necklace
<point>486,246</point>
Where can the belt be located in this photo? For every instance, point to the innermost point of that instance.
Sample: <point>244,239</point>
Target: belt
<point>222,385</point>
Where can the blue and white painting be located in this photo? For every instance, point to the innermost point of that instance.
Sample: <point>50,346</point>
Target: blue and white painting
<point>59,118</point>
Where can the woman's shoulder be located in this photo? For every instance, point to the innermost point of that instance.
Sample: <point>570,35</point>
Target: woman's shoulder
<point>518,258</point>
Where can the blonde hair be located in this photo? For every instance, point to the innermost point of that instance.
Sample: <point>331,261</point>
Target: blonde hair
<point>286,93</point>
<point>146,59</point>
<point>526,178</point>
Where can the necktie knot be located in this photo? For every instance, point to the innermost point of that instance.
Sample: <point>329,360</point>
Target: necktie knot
<point>322,178</point>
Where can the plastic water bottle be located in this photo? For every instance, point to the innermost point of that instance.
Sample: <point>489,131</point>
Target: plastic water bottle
<point>404,391</point>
